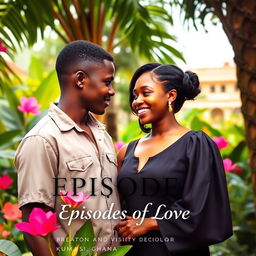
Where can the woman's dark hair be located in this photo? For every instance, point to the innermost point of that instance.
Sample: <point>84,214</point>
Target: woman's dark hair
<point>185,83</point>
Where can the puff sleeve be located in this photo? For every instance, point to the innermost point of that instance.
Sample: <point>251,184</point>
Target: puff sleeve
<point>204,195</point>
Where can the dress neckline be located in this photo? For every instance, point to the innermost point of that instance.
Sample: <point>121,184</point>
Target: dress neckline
<point>157,154</point>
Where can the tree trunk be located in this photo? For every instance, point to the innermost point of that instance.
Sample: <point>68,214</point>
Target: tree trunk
<point>239,23</point>
<point>110,120</point>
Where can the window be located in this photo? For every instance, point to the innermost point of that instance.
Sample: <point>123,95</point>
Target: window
<point>223,88</point>
<point>212,88</point>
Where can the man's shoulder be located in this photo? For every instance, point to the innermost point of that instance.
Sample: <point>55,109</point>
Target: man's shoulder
<point>45,128</point>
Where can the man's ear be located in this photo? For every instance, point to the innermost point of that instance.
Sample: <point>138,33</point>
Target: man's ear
<point>172,95</point>
<point>81,78</point>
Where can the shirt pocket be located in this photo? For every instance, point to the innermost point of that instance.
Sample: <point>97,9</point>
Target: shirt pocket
<point>80,164</point>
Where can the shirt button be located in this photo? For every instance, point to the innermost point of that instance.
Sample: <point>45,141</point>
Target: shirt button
<point>99,139</point>
<point>82,167</point>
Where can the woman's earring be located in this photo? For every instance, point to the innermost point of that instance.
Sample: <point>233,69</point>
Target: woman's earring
<point>170,106</point>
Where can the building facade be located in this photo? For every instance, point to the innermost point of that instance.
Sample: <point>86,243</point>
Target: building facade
<point>219,95</point>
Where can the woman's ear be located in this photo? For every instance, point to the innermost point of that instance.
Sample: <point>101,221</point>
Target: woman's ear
<point>172,95</point>
<point>81,78</point>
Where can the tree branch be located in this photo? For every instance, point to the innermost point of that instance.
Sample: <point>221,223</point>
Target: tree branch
<point>112,35</point>
<point>64,25</point>
<point>76,31</point>
<point>92,23</point>
<point>216,5</point>
<point>83,18</point>
<point>101,20</point>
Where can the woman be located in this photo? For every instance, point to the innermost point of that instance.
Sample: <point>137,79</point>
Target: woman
<point>173,175</point>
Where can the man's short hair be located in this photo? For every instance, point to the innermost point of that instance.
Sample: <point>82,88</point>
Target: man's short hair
<point>79,51</point>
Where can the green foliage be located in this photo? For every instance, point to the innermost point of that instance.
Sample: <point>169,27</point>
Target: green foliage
<point>85,239</point>
<point>131,132</point>
<point>9,248</point>
<point>15,124</point>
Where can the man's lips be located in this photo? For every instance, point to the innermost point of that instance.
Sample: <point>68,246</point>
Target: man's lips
<point>107,100</point>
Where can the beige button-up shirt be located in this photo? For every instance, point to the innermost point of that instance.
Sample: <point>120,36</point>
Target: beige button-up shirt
<point>58,148</point>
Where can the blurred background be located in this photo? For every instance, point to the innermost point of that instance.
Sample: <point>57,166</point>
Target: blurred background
<point>214,38</point>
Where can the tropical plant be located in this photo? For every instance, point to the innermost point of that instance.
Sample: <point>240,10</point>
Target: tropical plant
<point>109,24</point>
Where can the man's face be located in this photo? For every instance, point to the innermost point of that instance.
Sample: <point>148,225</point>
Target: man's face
<point>97,93</point>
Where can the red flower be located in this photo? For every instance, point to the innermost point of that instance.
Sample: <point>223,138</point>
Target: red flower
<point>5,181</point>
<point>11,211</point>
<point>40,223</point>
<point>2,48</point>
<point>238,170</point>
<point>4,233</point>
<point>74,201</point>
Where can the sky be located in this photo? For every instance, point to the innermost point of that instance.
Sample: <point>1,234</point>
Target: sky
<point>202,49</point>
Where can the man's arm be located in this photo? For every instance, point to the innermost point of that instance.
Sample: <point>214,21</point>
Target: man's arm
<point>120,156</point>
<point>37,244</point>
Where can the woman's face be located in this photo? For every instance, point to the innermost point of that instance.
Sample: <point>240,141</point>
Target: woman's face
<point>150,101</point>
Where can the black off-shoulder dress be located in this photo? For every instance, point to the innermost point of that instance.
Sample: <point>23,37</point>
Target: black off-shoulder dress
<point>187,175</point>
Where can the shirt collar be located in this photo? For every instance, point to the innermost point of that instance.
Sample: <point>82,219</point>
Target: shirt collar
<point>65,123</point>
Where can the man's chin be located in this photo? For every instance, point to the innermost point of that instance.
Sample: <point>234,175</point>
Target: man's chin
<point>98,112</point>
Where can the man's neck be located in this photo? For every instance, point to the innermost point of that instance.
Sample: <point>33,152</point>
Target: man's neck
<point>74,111</point>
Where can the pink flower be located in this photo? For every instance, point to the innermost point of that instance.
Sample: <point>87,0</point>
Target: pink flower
<point>74,201</point>
<point>11,211</point>
<point>5,181</point>
<point>220,141</point>
<point>5,233</point>
<point>40,223</point>
<point>29,105</point>
<point>2,48</point>
<point>228,165</point>
<point>118,145</point>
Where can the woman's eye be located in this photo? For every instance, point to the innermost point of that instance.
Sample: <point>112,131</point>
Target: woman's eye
<point>146,93</point>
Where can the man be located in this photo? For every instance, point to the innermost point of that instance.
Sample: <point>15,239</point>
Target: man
<point>70,149</point>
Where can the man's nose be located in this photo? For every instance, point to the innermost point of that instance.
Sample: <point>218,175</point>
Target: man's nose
<point>111,91</point>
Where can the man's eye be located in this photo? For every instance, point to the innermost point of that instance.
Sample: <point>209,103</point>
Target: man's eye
<point>109,82</point>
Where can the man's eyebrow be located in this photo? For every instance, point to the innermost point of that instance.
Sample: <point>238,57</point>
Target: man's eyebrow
<point>109,78</point>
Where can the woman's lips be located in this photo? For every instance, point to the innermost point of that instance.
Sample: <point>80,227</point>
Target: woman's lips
<point>142,112</point>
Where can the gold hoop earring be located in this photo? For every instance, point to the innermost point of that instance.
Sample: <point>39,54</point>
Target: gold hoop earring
<point>170,106</point>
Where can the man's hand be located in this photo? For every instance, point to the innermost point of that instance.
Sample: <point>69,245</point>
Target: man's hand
<point>37,244</point>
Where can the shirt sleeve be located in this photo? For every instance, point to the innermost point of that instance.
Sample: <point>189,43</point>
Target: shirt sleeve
<point>204,195</point>
<point>36,163</point>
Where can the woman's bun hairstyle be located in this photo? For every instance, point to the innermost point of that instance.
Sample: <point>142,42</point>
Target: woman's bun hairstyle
<point>185,83</point>
<point>190,85</point>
